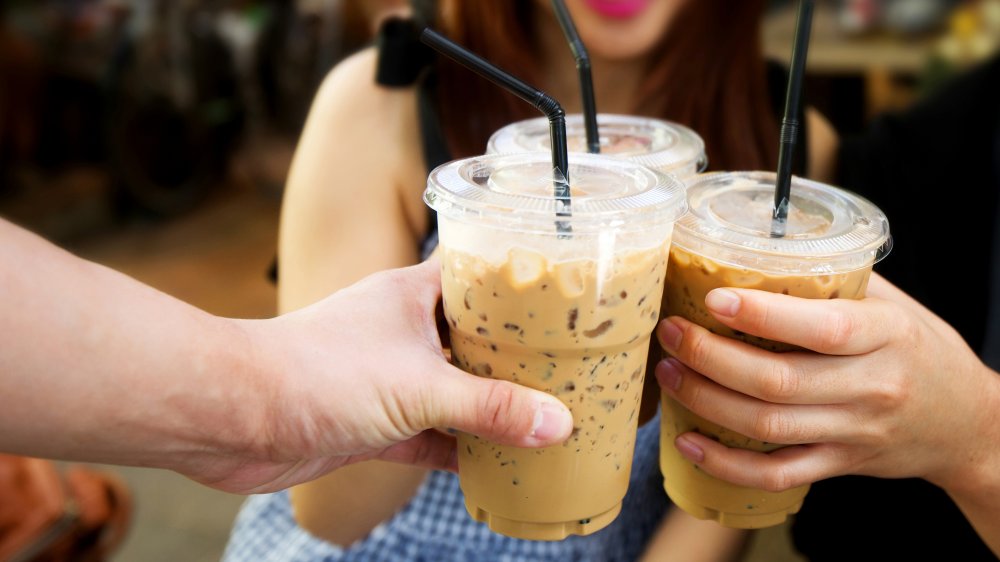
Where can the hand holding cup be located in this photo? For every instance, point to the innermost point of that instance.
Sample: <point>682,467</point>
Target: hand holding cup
<point>883,387</point>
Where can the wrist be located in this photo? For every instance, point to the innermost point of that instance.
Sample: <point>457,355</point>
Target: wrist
<point>246,380</point>
<point>975,477</point>
<point>221,414</point>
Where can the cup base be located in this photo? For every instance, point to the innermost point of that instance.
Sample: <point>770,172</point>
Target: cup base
<point>536,531</point>
<point>733,520</point>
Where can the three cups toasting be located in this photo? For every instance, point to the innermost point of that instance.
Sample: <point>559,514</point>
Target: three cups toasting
<point>556,271</point>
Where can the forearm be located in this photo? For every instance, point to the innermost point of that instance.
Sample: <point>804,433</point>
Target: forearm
<point>683,537</point>
<point>98,367</point>
<point>344,506</point>
<point>975,486</point>
<point>984,515</point>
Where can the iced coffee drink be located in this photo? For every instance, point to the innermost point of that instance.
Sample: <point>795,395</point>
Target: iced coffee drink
<point>660,145</point>
<point>568,313</point>
<point>833,240</point>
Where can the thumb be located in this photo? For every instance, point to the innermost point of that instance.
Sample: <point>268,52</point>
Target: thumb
<point>500,411</point>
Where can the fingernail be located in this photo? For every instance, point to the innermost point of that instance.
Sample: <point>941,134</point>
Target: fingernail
<point>668,374</point>
<point>723,302</point>
<point>670,335</point>
<point>689,450</point>
<point>550,422</point>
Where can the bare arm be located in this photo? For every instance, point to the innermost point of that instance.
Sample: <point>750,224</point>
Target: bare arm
<point>97,367</point>
<point>94,364</point>
<point>682,537</point>
<point>893,392</point>
<point>982,509</point>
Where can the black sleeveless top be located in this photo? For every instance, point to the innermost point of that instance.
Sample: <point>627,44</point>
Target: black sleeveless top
<point>935,171</point>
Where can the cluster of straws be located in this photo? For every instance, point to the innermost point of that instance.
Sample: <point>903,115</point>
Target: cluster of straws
<point>552,109</point>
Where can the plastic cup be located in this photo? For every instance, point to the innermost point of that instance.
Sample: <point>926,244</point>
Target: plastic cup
<point>568,314</point>
<point>834,238</point>
<point>657,144</point>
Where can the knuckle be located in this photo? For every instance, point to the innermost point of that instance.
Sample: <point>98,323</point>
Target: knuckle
<point>836,331</point>
<point>692,396</point>
<point>880,435</point>
<point>758,314</point>
<point>698,352</point>
<point>405,417</point>
<point>771,425</point>
<point>496,411</point>
<point>906,328</point>
<point>890,393</point>
<point>781,383</point>
<point>776,479</point>
<point>870,434</point>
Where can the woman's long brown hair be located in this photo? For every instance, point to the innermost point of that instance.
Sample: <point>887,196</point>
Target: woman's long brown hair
<point>707,73</point>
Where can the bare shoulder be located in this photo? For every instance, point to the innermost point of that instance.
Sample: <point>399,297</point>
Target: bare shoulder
<point>349,97</point>
<point>823,143</point>
<point>358,129</point>
<point>357,174</point>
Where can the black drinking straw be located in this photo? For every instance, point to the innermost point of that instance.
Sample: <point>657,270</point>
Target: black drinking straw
<point>583,68</point>
<point>790,122</point>
<point>539,99</point>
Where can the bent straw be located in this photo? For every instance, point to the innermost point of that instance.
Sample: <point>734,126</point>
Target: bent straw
<point>583,69</point>
<point>537,98</point>
<point>790,122</point>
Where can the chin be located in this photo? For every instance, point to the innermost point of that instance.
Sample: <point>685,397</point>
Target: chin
<point>622,29</point>
<point>618,47</point>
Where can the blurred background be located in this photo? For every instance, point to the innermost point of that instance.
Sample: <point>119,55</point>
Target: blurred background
<point>154,136</point>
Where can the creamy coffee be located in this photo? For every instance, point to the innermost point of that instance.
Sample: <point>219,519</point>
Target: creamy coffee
<point>560,301</point>
<point>833,239</point>
<point>576,331</point>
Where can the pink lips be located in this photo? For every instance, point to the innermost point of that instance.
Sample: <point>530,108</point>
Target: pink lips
<point>618,9</point>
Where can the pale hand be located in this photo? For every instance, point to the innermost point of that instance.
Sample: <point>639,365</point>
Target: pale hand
<point>363,376</point>
<point>885,389</point>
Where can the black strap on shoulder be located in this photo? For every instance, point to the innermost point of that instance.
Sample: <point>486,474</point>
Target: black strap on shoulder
<point>402,58</point>
<point>404,61</point>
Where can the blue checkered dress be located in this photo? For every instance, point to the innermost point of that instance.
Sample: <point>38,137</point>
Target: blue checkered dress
<point>435,527</point>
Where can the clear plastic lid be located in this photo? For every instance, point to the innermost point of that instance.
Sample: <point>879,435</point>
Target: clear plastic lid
<point>516,192</point>
<point>829,230</point>
<point>655,143</point>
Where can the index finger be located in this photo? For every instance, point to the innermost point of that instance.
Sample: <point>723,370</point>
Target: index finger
<point>833,327</point>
